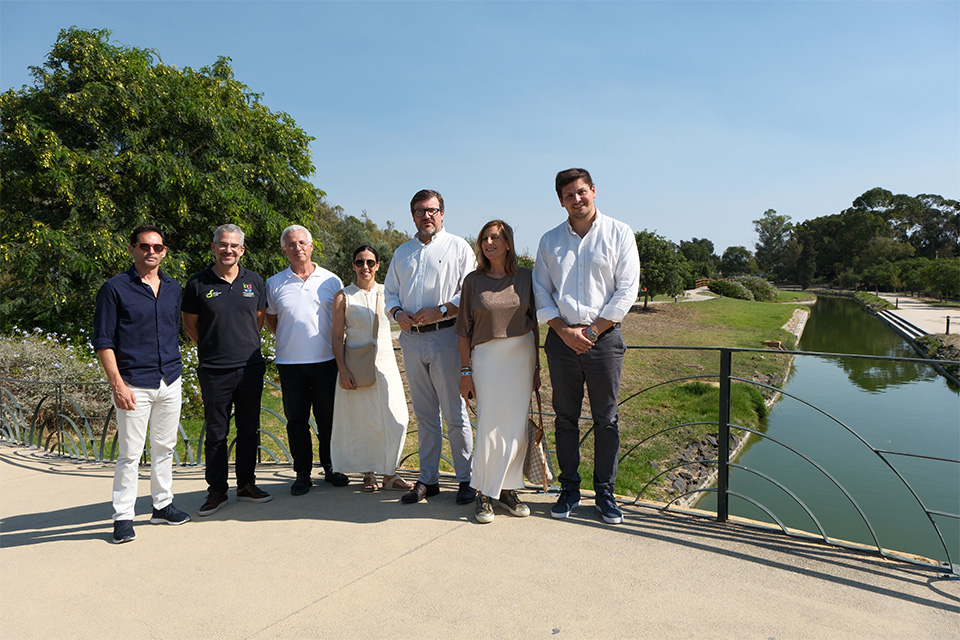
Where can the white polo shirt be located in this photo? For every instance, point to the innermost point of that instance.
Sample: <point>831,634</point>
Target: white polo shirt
<point>304,310</point>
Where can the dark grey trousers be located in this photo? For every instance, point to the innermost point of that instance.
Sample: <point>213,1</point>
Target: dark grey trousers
<point>600,369</point>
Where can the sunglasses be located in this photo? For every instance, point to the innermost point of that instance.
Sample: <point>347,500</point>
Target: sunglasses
<point>360,262</point>
<point>157,248</point>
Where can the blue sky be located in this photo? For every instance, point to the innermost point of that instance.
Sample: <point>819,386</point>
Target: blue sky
<point>693,117</point>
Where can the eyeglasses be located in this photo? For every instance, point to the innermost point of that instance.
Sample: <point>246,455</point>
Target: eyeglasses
<point>433,211</point>
<point>360,262</point>
<point>226,245</point>
<point>145,247</point>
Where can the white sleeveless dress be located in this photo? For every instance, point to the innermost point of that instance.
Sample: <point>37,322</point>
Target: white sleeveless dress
<point>369,423</point>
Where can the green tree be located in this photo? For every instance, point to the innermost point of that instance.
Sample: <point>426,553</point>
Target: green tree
<point>773,237</point>
<point>662,266</point>
<point>736,261</point>
<point>109,137</point>
<point>700,258</point>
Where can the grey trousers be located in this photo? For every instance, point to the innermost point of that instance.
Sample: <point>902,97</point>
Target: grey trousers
<point>600,369</point>
<point>432,364</point>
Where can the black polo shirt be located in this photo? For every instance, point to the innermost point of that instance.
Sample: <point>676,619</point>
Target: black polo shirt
<point>229,334</point>
<point>142,329</point>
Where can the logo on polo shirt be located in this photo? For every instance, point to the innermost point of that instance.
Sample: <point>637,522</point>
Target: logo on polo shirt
<point>248,290</point>
<point>212,294</point>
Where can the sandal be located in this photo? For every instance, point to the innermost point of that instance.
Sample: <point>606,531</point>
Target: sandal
<point>396,483</point>
<point>370,482</point>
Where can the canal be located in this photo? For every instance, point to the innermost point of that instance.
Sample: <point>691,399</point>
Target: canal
<point>895,406</point>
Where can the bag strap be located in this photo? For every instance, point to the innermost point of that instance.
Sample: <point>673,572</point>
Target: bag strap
<point>376,313</point>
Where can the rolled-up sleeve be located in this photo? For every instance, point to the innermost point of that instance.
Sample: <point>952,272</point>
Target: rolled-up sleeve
<point>105,318</point>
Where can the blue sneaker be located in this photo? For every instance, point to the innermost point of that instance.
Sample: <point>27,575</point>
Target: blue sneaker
<point>123,531</point>
<point>607,507</point>
<point>568,501</point>
<point>169,515</point>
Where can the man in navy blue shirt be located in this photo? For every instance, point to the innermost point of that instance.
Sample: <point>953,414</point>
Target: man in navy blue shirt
<point>136,336</point>
<point>223,312</point>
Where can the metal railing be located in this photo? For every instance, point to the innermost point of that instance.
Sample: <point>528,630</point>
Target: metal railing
<point>57,422</point>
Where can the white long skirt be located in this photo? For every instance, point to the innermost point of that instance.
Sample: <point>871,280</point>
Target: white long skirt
<point>503,379</point>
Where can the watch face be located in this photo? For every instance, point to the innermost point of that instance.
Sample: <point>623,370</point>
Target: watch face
<point>443,310</point>
<point>592,335</point>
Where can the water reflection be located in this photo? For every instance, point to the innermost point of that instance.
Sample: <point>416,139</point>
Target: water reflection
<point>839,325</point>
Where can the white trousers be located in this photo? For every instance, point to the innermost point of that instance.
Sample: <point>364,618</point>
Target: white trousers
<point>160,409</point>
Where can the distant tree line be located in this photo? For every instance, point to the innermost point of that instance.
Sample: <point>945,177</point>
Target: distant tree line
<point>883,241</point>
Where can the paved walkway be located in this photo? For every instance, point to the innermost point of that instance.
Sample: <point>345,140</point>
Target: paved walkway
<point>929,317</point>
<point>338,563</point>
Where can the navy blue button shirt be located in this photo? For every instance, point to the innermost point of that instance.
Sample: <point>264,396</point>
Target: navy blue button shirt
<point>142,329</point>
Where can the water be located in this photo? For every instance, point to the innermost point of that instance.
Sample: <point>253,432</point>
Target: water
<point>895,406</point>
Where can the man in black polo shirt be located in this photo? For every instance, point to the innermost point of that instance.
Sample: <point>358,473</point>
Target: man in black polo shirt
<point>136,334</point>
<point>223,312</point>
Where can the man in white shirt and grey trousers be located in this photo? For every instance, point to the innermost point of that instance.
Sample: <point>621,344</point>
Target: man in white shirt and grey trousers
<point>585,280</point>
<point>422,291</point>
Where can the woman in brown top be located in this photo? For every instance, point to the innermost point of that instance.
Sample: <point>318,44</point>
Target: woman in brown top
<point>497,325</point>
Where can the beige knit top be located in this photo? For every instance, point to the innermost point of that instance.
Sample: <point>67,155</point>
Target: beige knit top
<point>496,307</point>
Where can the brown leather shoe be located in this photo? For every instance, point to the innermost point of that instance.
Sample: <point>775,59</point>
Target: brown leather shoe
<point>419,492</point>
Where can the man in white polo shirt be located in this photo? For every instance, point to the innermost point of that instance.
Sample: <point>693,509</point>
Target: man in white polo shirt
<point>299,312</point>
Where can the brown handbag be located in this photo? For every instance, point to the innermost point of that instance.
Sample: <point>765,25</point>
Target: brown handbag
<point>536,464</point>
<point>361,362</point>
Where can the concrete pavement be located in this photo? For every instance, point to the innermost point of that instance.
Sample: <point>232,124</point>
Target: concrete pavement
<point>339,563</point>
<point>927,316</point>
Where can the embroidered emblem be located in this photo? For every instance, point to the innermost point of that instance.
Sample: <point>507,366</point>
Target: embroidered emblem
<point>248,290</point>
<point>212,294</point>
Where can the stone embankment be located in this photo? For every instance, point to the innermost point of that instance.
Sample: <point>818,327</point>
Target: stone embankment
<point>696,474</point>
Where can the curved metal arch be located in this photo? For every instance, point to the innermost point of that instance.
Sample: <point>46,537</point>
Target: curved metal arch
<point>863,441</point>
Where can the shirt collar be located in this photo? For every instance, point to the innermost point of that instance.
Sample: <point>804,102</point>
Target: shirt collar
<point>596,222</point>
<point>439,233</point>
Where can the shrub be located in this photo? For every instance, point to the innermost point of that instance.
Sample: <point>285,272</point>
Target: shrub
<point>762,290</point>
<point>730,289</point>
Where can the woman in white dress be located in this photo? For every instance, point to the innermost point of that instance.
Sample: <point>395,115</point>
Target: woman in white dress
<point>369,423</point>
<point>499,338</point>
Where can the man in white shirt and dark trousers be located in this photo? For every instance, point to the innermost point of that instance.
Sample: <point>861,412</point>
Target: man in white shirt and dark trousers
<point>422,290</point>
<point>300,313</point>
<point>585,280</point>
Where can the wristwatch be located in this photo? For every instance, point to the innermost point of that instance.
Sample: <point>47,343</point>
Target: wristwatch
<point>591,334</point>
<point>443,310</point>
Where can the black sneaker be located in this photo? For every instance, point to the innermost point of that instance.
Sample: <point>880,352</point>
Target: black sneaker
<point>484,510</point>
<point>510,501</point>
<point>607,507</point>
<point>213,503</point>
<point>466,494</point>
<point>335,478</point>
<point>169,515</point>
<point>123,531</point>
<point>253,493</point>
<point>301,485</point>
<point>568,501</point>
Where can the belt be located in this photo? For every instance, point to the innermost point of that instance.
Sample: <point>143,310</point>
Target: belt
<point>424,328</point>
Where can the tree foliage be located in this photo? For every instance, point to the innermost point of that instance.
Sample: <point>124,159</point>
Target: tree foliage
<point>109,137</point>
<point>662,266</point>
<point>737,260</point>
<point>884,240</point>
<point>773,243</point>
